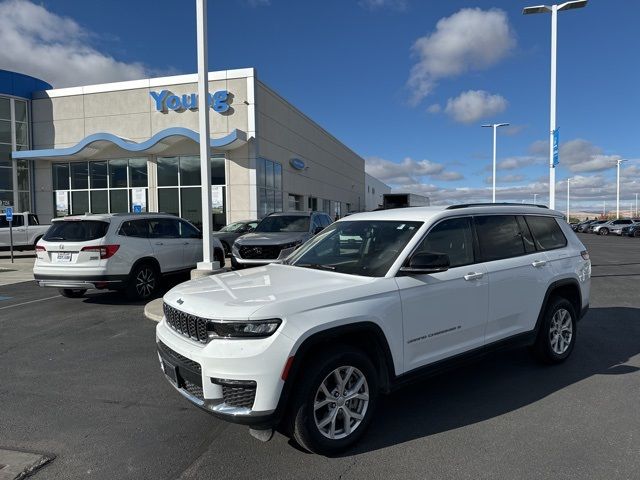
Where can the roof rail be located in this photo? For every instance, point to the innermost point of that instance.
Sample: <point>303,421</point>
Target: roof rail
<point>503,204</point>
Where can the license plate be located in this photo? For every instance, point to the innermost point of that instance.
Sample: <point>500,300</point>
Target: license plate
<point>64,256</point>
<point>170,371</point>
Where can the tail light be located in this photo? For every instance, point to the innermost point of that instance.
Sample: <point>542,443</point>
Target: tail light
<point>584,254</point>
<point>40,248</point>
<point>105,251</point>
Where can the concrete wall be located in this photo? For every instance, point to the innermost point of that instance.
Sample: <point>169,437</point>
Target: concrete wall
<point>333,171</point>
<point>374,190</point>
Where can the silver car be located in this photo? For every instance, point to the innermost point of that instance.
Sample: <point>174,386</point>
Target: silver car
<point>276,232</point>
<point>612,226</point>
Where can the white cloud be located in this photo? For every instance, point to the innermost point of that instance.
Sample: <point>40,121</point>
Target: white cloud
<point>435,108</point>
<point>409,171</point>
<point>473,105</point>
<point>54,48</point>
<point>514,163</point>
<point>400,5</point>
<point>448,176</point>
<point>469,40</point>
<point>505,179</point>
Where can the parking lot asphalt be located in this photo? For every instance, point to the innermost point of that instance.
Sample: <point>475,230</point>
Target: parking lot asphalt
<point>81,381</point>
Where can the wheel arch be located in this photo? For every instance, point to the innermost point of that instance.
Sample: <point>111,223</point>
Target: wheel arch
<point>152,260</point>
<point>568,288</point>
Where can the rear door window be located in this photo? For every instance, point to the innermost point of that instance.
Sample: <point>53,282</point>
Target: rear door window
<point>164,228</point>
<point>188,231</point>
<point>135,228</point>
<point>18,220</point>
<point>499,237</point>
<point>33,219</point>
<point>547,234</point>
<point>76,231</point>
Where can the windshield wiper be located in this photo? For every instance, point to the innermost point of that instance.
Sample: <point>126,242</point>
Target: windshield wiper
<point>317,266</point>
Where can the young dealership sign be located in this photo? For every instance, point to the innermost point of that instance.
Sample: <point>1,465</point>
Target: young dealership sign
<point>167,100</point>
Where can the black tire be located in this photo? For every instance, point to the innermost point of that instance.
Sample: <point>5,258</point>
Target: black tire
<point>227,249</point>
<point>235,265</point>
<point>304,418</point>
<point>72,292</point>
<point>603,231</point>
<point>545,349</point>
<point>143,282</point>
<point>636,233</point>
<point>218,256</point>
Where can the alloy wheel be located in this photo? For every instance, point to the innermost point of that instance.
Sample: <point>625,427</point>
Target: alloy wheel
<point>145,282</point>
<point>561,331</point>
<point>341,402</point>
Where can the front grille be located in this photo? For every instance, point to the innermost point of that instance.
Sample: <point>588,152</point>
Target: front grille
<point>237,393</point>
<point>180,359</point>
<point>260,252</point>
<point>186,324</point>
<point>193,389</point>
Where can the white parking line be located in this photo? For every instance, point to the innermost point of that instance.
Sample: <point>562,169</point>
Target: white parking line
<point>30,301</point>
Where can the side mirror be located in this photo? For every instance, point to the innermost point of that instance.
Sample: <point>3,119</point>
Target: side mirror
<point>427,263</point>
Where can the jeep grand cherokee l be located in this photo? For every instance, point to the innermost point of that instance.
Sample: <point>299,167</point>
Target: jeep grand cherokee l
<point>371,302</point>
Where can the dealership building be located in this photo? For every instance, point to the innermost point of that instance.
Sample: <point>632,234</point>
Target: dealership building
<point>133,146</point>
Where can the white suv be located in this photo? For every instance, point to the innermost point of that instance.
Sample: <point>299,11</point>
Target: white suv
<point>373,301</point>
<point>126,252</point>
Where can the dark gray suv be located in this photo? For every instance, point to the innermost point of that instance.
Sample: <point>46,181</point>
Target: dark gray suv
<point>274,233</point>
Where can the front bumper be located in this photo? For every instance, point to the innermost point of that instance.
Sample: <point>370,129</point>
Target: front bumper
<point>206,374</point>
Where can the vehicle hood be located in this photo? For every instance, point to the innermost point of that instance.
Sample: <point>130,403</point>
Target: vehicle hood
<point>264,292</point>
<point>278,238</point>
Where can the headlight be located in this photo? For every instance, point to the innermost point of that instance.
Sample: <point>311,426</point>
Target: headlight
<point>256,329</point>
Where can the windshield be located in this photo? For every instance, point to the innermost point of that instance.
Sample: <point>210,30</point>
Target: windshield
<point>283,223</point>
<point>75,231</point>
<point>366,248</point>
<point>232,227</point>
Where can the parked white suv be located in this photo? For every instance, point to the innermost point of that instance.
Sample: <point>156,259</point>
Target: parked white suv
<point>373,301</point>
<point>26,231</point>
<point>127,252</point>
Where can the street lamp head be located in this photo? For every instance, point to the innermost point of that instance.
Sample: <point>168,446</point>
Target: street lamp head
<point>489,126</point>
<point>502,124</point>
<point>536,9</point>
<point>495,125</point>
<point>572,5</point>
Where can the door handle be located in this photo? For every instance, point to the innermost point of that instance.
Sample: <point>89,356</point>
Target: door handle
<point>185,243</point>
<point>539,263</point>
<point>473,276</point>
<point>159,243</point>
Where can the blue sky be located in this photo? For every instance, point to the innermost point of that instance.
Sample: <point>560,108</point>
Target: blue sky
<point>405,83</point>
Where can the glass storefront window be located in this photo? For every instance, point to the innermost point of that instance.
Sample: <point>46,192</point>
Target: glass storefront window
<point>268,172</point>
<point>168,172</point>
<point>98,174</point>
<point>79,175</point>
<point>79,202</point>
<point>99,201</point>
<point>191,202</point>
<point>189,171</point>
<point>22,133</point>
<point>5,156</point>
<point>23,174</point>
<point>119,201</point>
<point>138,172</point>
<point>6,178</point>
<point>24,202</point>
<point>5,131</point>
<point>5,109</point>
<point>217,171</point>
<point>277,176</point>
<point>61,176</point>
<point>118,174</point>
<point>6,198</point>
<point>168,201</point>
<point>20,111</point>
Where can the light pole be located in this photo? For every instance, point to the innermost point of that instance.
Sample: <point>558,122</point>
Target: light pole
<point>535,196</point>
<point>618,162</point>
<point>495,128</point>
<point>553,9</point>
<point>203,124</point>
<point>568,184</point>
<point>636,205</point>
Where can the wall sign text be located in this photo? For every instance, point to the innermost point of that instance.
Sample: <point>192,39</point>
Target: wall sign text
<point>165,100</point>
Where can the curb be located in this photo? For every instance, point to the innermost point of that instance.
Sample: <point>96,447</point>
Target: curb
<point>153,310</point>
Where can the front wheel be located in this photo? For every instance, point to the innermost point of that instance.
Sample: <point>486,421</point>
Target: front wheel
<point>557,335</point>
<point>335,401</point>
<point>143,282</point>
<point>235,265</point>
<point>72,292</point>
<point>604,231</point>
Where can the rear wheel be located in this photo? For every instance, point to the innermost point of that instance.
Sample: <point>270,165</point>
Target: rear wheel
<point>557,335</point>
<point>636,233</point>
<point>227,250</point>
<point>335,401</point>
<point>72,292</point>
<point>604,231</point>
<point>218,256</point>
<point>143,282</point>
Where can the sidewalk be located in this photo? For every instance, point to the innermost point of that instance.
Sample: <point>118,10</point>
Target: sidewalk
<point>19,271</point>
